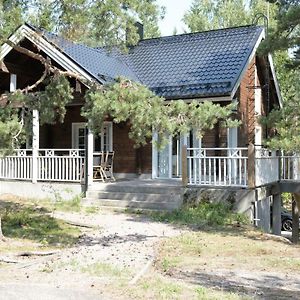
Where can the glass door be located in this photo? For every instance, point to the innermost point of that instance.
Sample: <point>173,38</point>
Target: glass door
<point>167,162</point>
<point>164,162</point>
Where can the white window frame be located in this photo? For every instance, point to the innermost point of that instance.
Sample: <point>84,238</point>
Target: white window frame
<point>77,125</point>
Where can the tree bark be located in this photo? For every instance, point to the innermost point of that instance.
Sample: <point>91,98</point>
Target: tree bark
<point>296,207</point>
<point>1,234</point>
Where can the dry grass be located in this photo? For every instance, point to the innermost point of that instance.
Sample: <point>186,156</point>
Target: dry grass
<point>156,286</point>
<point>229,248</point>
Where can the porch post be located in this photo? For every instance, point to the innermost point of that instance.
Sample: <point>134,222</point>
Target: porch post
<point>184,167</point>
<point>13,82</point>
<point>90,155</point>
<point>276,214</point>
<point>154,154</point>
<point>35,144</point>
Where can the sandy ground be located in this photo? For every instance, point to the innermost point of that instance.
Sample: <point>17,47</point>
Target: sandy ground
<point>123,241</point>
<point>127,243</point>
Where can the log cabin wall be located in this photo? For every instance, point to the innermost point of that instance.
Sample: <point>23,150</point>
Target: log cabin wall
<point>127,158</point>
<point>246,109</point>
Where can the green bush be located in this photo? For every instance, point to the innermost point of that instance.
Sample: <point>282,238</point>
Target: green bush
<point>205,213</point>
<point>30,223</point>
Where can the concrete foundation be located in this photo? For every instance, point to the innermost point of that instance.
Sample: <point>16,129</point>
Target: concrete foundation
<point>241,199</point>
<point>40,190</point>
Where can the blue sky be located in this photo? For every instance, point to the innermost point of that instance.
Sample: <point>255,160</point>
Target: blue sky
<point>175,11</point>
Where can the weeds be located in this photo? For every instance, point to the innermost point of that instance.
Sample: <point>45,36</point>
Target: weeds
<point>26,222</point>
<point>210,214</point>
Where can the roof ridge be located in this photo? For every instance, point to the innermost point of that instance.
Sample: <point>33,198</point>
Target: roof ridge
<point>200,32</point>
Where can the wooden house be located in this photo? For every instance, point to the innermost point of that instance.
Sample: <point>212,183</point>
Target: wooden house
<point>221,66</point>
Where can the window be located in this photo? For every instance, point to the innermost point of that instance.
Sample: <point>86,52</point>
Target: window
<point>102,142</point>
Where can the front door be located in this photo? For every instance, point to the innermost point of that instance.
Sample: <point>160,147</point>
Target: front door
<point>167,162</point>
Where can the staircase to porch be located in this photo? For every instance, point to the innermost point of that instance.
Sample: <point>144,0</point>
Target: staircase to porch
<point>136,194</point>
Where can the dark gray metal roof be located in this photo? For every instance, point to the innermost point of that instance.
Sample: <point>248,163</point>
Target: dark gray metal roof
<point>192,65</point>
<point>100,63</point>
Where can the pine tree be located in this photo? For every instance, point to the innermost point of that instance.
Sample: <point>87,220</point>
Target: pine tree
<point>286,35</point>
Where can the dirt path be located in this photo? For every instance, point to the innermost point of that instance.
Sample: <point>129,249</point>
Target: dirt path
<point>112,254</point>
<point>121,241</point>
<point>260,285</point>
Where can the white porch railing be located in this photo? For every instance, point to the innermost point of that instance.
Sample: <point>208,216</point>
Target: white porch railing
<point>52,165</point>
<point>17,165</point>
<point>290,167</point>
<point>217,166</point>
<point>60,164</point>
<point>266,166</point>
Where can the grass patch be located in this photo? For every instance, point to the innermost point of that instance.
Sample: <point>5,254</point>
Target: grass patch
<point>92,209</point>
<point>27,222</point>
<point>245,249</point>
<point>156,286</point>
<point>99,269</point>
<point>211,214</point>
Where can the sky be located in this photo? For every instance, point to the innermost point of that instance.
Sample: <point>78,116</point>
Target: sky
<point>175,10</point>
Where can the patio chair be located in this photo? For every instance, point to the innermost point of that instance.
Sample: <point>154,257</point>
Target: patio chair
<point>107,165</point>
<point>98,164</point>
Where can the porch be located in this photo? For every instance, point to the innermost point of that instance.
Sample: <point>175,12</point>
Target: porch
<point>212,167</point>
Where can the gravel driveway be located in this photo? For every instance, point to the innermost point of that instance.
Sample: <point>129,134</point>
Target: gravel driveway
<point>124,241</point>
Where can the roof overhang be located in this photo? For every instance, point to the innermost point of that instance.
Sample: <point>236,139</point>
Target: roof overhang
<point>202,99</point>
<point>273,73</point>
<point>247,62</point>
<point>48,48</point>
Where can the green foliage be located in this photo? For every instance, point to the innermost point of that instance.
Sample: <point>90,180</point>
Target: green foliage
<point>286,121</point>
<point>96,23</point>
<point>51,102</point>
<point>16,114</point>
<point>212,14</point>
<point>29,223</point>
<point>73,205</point>
<point>126,101</point>
<point>286,35</point>
<point>211,214</point>
<point>9,129</point>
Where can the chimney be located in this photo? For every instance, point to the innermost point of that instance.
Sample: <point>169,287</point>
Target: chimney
<point>140,29</point>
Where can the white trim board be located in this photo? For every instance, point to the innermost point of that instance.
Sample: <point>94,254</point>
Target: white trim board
<point>275,79</point>
<point>25,31</point>
<point>252,55</point>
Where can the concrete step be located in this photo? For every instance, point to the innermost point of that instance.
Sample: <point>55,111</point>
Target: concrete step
<point>166,190</point>
<point>133,196</point>
<point>132,204</point>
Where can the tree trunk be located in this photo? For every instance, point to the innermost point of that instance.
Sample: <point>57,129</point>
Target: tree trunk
<point>1,234</point>
<point>296,208</point>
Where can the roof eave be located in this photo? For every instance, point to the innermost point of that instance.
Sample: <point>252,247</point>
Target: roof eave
<point>278,92</point>
<point>247,62</point>
<point>27,31</point>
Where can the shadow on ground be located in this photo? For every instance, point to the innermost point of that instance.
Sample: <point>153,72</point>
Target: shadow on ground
<point>264,287</point>
<point>34,223</point>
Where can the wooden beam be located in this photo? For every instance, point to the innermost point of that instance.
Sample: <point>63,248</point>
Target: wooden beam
<point>295,213</point>
<point>184,165</point>
<point>251,165</point>
<point>3,67</point>
<point>16,69</point>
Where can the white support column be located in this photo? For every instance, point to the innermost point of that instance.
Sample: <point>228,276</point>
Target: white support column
<point>154,155</point>
<point>232,142</point>
<point>170,157</point>
<point>257,108</point>
<point>35,144</point>
<point>90,155</point>
<point>13,82</point>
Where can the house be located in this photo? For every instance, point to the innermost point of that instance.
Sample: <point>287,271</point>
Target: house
<point>222,66</point>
